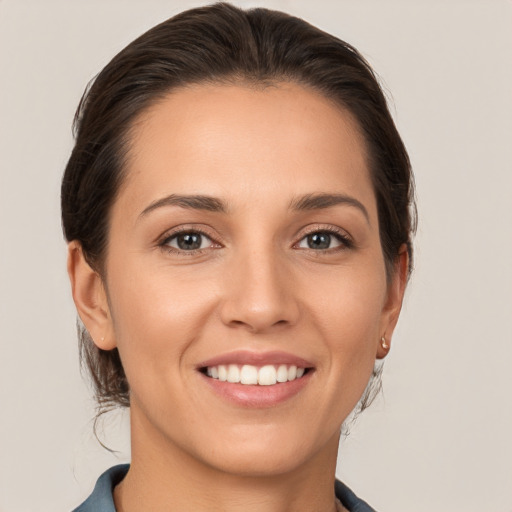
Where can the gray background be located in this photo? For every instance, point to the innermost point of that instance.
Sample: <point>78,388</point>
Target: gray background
<point>440,436</point>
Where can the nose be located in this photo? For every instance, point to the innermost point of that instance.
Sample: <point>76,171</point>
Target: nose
<point>260,293</point>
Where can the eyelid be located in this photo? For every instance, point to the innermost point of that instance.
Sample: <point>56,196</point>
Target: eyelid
<point>163,240</point>
<point>343,236</point>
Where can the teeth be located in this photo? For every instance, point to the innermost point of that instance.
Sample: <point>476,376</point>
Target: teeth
<point>282,373</point>
<point>233,373</point>
<point>248,374</point>
<point>223,373</point>
<point>267,376</point>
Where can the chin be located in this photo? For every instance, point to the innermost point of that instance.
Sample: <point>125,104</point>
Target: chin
<point>260,463</point>
<point>267,454</point>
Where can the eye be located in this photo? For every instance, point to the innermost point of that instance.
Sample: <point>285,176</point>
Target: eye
<point>188,241</point>
<point>324,240</point>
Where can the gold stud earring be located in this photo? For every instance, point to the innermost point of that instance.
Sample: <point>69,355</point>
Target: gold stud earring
<point>384,344</point>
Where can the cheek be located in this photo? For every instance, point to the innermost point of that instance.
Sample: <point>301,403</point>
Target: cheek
<point>348,309</point>
<point>360,288</point>
<point>156,315</point>
<point>154,297</point>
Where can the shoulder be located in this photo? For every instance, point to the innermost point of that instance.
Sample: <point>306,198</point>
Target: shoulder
<point>101,499</point>
<point>350,500</point>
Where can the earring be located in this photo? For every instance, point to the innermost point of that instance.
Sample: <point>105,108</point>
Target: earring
<point>384,344</point>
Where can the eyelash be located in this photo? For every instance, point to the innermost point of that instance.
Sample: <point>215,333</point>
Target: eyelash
<point>345,240</point>
<point>180,231</point>
<point>342,237</point>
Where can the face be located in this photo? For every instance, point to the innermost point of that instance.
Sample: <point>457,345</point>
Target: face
<point>244,244</point>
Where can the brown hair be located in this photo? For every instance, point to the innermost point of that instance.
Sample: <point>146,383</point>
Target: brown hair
<point>218,44</point>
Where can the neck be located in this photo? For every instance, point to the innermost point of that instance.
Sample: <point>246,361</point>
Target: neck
<point>164,477</point>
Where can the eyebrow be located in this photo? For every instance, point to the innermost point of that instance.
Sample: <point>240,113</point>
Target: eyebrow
<point>307,202</point>
<point>321,201</point>
<point>191,202</point>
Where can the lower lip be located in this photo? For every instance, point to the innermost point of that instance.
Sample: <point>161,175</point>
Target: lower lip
<point>257,396</point>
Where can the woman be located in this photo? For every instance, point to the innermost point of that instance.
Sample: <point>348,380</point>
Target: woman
<point>238,210</point>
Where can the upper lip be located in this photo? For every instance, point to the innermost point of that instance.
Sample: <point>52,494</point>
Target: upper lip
<point>256,359</point>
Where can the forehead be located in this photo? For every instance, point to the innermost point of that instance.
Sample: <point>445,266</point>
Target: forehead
<point>240,142</point>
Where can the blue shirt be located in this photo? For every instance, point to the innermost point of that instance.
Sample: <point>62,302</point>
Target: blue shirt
<point>101,499</point>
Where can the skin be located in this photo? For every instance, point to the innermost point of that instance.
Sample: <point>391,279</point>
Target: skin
<point>255,285</point>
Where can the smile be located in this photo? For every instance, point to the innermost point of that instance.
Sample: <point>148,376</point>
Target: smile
<point>251,375</point>
<point>256,380</point>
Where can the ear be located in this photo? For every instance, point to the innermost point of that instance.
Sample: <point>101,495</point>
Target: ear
<point>394,299</point>
<point>90,298</point>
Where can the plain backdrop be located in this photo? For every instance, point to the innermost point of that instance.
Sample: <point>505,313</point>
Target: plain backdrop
<point>439,438</point>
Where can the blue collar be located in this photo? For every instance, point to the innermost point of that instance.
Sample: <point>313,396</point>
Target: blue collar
<point>101,499</point>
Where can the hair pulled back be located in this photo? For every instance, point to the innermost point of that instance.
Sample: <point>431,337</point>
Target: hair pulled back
<point>218,44</point>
